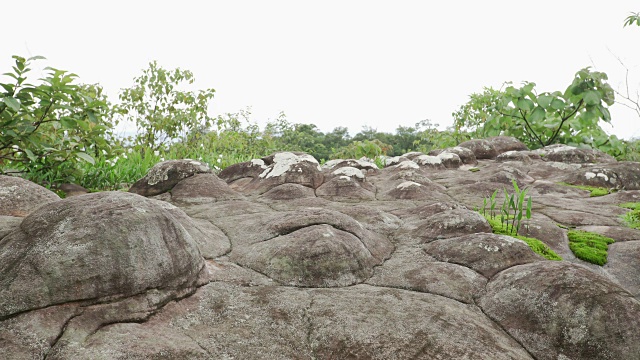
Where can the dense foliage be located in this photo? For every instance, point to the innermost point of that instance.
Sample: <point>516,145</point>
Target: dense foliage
<point>58,131</point>
<point>540,119</point>
<point>47,128</point>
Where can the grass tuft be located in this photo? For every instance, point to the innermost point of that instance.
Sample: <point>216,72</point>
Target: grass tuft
<point>632,218</point>
<point>594,190</point>
<point>588,246</point>
<point>536,245</point>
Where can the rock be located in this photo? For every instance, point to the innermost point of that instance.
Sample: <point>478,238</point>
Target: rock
<point>8,224</point>
<point>466,155</point>
<point>314,256</point>
<point>482,148</point>
<point>248,169</point>
<point>623,266</point>
<point>281,258</point>
<point>70,190</point>
<point>365,166</point>
<point>346,184</point>
<point>486,254</point>
<point>430,162</point>
<point>504,144</point>
<point>203,188</point>
<point>558,310</point>
<point>514,156</point>
<point>163,176</point>
<point>411,269</point>
<point>289,192</point>
<point>287,167</point>
<point>19,197</point>
<point>93,248</point>
<point>622,175</point>
<point>446,224</point>
<point>570,154</point>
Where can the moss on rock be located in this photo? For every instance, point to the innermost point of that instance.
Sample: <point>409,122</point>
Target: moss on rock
<point>536,245</point>
<point>588,246</point>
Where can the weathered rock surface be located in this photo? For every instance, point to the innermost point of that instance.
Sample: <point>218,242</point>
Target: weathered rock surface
<point>163,176</point>
<point>19,197</point>
<point>280,258</point>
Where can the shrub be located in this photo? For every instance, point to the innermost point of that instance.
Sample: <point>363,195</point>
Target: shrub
<point>49,127</point>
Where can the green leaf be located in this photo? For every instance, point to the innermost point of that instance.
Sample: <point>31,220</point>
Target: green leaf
<point>606,115</point>
<point>525,104</point>
<point>557,104</point>
<point>86,157</point>
<point>30,155</point>
<point>538,114</point>
<point>11,102</point>
<point>591,97</point>
<point>544,101</point>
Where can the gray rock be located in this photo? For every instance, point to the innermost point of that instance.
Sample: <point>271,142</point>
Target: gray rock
<point>19,197</point>
<point>93,248</point>
<point>163,176</point>
<point>559,310</point>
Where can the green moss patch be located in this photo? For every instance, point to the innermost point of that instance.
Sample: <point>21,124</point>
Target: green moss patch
<point>588,246</point>
<point>632,218</point>
<point>536,245</point>
<point>594,190</point>
<point>474,169</point>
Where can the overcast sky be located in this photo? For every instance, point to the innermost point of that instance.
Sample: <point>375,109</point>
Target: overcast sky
<point>334,63</point>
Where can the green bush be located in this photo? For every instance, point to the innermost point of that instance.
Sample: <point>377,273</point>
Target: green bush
<point>52,126</point>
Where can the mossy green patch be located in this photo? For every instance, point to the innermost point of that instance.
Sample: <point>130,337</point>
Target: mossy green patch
<point>536,245</point>
<point>474,169</point>
<point>588,246</point>
<point>594,190</point>
<point>632,218</point>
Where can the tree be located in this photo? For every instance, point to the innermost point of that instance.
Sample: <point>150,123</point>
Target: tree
<point>161,111</point>
<point>47,128</point>
<point>474,114</point>
<point>570,117</point>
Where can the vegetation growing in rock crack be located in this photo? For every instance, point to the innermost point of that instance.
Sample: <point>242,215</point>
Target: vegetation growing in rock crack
<point>594,191</point>
<point>513,208</point>
<point>632,218</point>
<point>511,214</point>
<point>588,246</point>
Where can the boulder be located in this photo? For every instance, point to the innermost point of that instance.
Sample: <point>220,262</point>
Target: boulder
<point>570,154</point>
<point>93,248</point>
<point>482,148</point>
<point>203,188</point>
<point>622,175</point>
<point>287,167</point>
<point>163,176</point>
<point>19,197</point>
<point>486,254</point>
<point>346,184</point>
<point>466,155</point>
<point>503,144</point>
<point>559,310</point>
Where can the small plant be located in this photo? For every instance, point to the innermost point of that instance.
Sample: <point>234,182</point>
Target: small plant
<point>589,246</point>
<point>513,208</point>
<point>632,218</point>
<point>512,212</point>
<point>594,190</point>
<point>536,245</point>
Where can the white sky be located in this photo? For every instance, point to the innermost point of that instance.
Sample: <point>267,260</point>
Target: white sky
<point>334,63</point>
